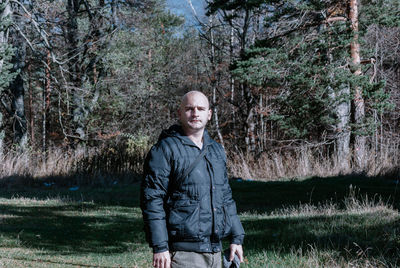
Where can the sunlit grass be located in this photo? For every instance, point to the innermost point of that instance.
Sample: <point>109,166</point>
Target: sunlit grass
<point>312,223</point>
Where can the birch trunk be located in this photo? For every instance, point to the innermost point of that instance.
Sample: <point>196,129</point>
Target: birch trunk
<point>343,133</point>
<point>358,101</point>
<point>343,112</point>
<point>213,83</point>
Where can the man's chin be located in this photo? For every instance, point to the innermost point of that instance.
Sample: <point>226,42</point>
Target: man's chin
<point>196,126</point>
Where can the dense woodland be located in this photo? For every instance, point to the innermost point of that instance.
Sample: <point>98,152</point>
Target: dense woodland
<point>306,84</point>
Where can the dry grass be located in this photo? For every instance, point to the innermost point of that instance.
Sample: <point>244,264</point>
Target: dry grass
<point>307,162</point>
<point>115,162</point>
<point>80,166</point>
<point>358,231</point>
<point>353,203</point>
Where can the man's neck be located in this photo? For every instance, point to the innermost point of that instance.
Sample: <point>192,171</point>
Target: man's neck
<point>196,137</point>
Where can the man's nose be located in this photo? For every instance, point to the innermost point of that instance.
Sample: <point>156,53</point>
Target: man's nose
<point>195,112</point>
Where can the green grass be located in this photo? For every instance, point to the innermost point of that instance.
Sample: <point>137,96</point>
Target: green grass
<point>315,222</point>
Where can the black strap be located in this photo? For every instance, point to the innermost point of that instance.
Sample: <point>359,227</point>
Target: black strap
<point>193,165</point>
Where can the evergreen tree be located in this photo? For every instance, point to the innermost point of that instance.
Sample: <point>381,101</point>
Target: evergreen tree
<point>303,63</point>
<point>6,54</point>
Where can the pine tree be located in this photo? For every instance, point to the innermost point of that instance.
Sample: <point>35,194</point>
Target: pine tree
<point>6,54</point>
<point>303,62</point>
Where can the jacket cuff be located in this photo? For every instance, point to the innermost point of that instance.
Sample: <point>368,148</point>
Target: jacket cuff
<point>160,248</point>
<point>238,240</point>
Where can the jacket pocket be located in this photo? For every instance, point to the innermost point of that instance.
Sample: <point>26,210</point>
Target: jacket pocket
<point>227,223</point>
<point>184,220</point>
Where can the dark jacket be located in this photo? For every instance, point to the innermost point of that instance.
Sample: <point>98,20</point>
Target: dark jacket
<point>195,214</point>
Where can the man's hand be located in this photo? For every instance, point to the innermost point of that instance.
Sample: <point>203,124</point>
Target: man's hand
<point>238,250</point>
<point>162,260</point>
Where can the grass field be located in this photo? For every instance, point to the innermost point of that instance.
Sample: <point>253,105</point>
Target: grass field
<point>315,222</point>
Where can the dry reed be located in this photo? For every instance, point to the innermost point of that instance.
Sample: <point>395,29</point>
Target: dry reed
<point>305,161</point>
<point>91,165</point>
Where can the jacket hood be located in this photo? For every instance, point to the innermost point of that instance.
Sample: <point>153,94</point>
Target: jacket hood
<point>177,131</point>
<point>172,131</point>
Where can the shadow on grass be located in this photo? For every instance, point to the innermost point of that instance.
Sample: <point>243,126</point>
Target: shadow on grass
<point>83,179</point>
<point>113,191</point>
<point>350,236</point>
<point>71,229</point>
<point>88,219</point>
<point>265,197</point>
<point>92,227</point>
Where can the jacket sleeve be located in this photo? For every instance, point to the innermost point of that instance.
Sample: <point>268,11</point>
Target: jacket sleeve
<point>237,230</point>
<point>154,189</point>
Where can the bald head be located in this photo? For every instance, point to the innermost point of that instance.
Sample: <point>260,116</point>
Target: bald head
<point>194,112</point>
<point>194,94</point>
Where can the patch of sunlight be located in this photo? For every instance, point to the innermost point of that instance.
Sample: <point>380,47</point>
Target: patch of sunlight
<point>33,202</point>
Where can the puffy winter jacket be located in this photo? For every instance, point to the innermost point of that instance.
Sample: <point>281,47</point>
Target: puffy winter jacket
<point>195,213</point>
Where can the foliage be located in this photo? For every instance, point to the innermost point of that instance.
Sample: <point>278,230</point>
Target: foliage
<point>380,12</point>
<point>137,143</point>
<point>6,74</point>
<point>148,68</point>
<point>304,63</point>
<point>6,51</point>
<point>275,71</point>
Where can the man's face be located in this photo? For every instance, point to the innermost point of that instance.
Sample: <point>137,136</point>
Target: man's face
<point>194,112</point>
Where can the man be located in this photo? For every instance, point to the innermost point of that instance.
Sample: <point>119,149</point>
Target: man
<point>186,217</point>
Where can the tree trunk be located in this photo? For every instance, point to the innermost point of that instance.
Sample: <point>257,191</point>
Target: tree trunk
<point>214,82</point>
<point>343,112</point>
<point>114,12</point>
<point>17,88</point>
<point>30,106</point>
<point>6,12</point>
<point>216,120</point>
<point>358,101</point>
<point>1,136</point>
<point>46,103</point>
<point>3,44</point>
<point>250,138</point>
<point>79,112</point>
<point>18,107</point>
<point>343,133</point>
<point>232,80</point>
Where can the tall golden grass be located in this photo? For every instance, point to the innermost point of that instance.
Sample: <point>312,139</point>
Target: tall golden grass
<point>311,161</point>
<point>92,165</point>
<point>80,166</point>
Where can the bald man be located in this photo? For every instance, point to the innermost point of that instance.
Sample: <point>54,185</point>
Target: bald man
<point>186,199</point>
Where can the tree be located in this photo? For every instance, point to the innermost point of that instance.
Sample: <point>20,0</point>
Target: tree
<point>240,24</point>
<point>11,35</point>
<point>17,89</point>
<point>358,100</point>
<point>301,62</point>
<point>6,52</point>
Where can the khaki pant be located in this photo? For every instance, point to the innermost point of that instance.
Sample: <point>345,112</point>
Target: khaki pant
<point>183,259</point>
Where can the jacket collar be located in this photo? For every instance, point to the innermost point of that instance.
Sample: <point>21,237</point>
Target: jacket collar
<point>177,131</point>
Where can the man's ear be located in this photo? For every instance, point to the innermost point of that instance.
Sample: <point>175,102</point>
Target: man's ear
<point>209,114</point>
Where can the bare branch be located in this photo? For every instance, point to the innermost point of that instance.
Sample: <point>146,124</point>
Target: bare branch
<point>24,36</point>
<point>334,19</point>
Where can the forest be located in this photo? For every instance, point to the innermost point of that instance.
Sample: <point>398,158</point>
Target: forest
<point>297,88</point>
<point>305,99</point>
